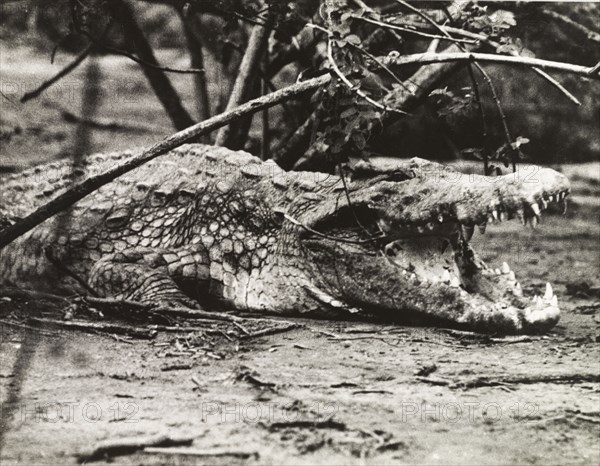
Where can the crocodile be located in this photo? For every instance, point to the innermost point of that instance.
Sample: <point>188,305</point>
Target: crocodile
<point>204,226</point>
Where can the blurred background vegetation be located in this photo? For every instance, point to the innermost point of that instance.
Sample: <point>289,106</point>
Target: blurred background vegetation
<point>446,126</point>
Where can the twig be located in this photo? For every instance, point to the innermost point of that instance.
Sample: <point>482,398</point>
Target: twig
<point>31,294</point>
<point>270,331</point>
<point>94,327</point>
<point>82,189</point>
<point>481,111</point>
<point>202,453</point>
<point>430,58</point>
<point>332,238</point>
<point>176,311</point>
<point>433,380</point>
<point>37,330</point>
<point>351,86</point>
<point>150,64</point>
<point>196,314</point>
<point>368,9</point>
<point>62,73</point>
<point>328,424</point>
<point>241,327</point>
<point>587,418</point>
<point>107,124</point>
<point>124,446</point>
<point>485,39</point>
<point>265,143</point>
<point>580,28</point>
<point>411,31</point>
<point>526,380</point>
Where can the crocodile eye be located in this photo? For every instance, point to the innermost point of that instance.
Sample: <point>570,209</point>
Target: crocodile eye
<point>117,219</point>
<point>185,196</point>
<point>158,198</point>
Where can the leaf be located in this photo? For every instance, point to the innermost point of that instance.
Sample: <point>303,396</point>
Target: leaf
<point>503,19</point>
<point>527,53</point>
<point>507,48</point>
<point>353,39</point>
<point>348,112</point>
<point>519,142</point>
<point>359,140</point>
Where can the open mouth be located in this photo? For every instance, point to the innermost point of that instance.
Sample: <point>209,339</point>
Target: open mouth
<point>438,254</point>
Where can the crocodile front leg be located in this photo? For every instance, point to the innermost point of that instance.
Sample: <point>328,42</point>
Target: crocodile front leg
<point>150,276</point>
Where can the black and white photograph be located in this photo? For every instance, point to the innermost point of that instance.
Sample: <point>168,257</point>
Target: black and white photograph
<point>313,232</point>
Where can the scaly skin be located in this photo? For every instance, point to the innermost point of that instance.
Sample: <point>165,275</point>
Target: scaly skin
<point>205,223</point>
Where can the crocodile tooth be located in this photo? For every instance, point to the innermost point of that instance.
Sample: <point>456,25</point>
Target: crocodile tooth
<point>467,231</point>
<point>497,271</point>
<point>505,268</point>
<point>490,219</point>
<point>564,211</point>
<point>502,216</point>
<point>495,214</point>
<point>561,196</point>
<point>446,277</point>
<point>440,218</point>
<point>549,293</point>
<point>554,301</point>
<point>536,209</point>
<point>511,276</point>
<point>482,228</point>
<point>543,204</point>
<point>551,198</point>
<point>517,290</point>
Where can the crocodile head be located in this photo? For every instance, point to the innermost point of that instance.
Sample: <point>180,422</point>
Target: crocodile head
<point>402,248</point>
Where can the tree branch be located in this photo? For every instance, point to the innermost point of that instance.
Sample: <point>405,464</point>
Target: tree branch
<point>89,185</point>
<point>245,81</point>
<point>191,28</point>
<point>430,58</point>
<point>485,39</point>
<point>62,73</point>
<point>161,84</point>
<point>574,26</point>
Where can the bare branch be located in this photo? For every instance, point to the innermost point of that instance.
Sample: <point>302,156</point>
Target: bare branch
<point>429,58</point>
<point>61,74</point>
<point>167,69</point>
<point>351,86</point>
<point>574,26</point>
<point>485,39</point>
<point>82,189</point>
<point>191,28</point>
<point>410,31</point>
<point>246,79</point>
<point>161,84</point>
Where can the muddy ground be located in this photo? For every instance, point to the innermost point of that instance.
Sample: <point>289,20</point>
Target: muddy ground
<point>321,392</point>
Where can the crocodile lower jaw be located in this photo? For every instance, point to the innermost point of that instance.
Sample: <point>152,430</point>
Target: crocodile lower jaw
<point>444,257</point>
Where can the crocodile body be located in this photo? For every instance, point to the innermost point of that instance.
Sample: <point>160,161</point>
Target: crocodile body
<point>203,224</point>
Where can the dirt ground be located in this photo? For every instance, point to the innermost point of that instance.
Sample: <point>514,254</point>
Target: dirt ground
<point>322,392</point>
